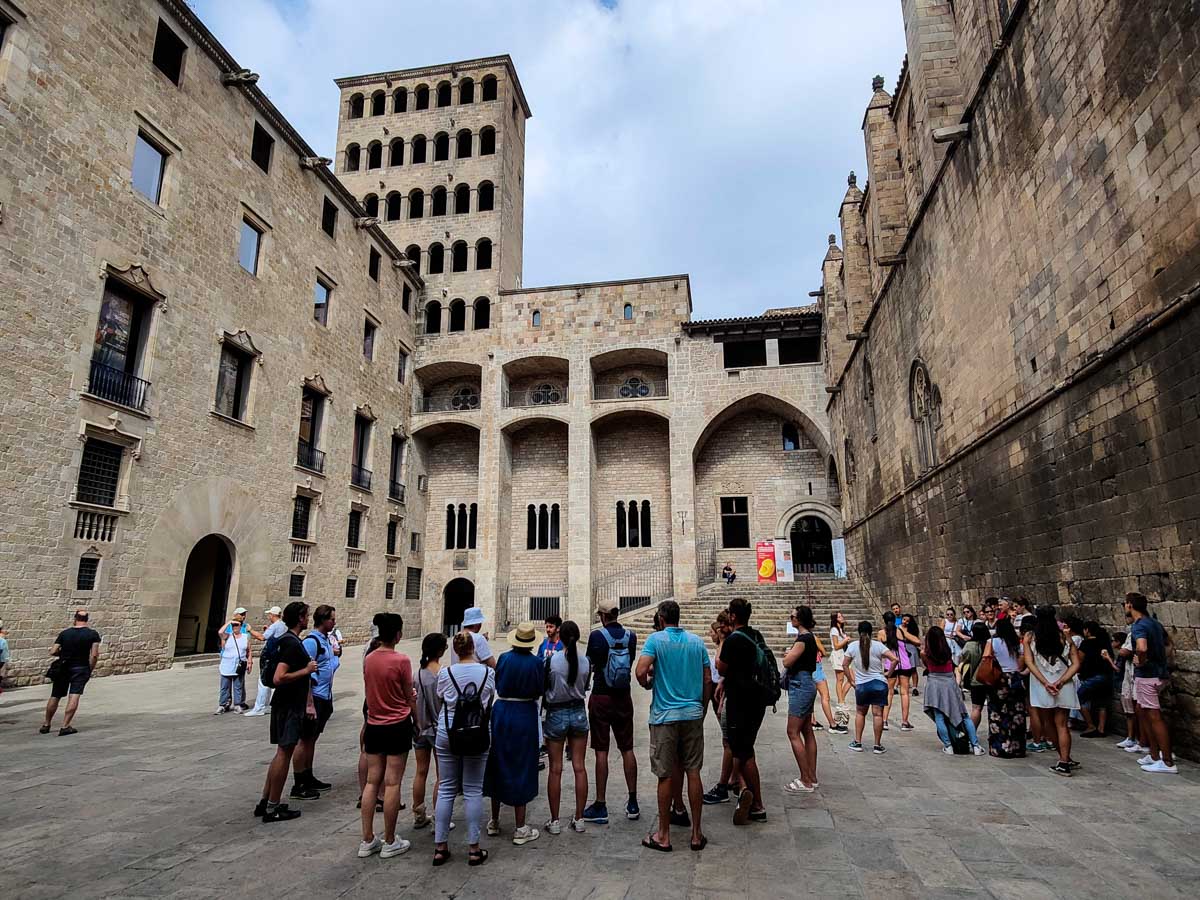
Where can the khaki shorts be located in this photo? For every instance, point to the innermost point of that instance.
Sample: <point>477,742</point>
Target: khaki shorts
<point>681,742</point>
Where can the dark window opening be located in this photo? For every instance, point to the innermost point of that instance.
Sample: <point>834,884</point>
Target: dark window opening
<point>402,367</point>
<point>359,451</point>
<point>413,252</point>
<point>799,350</point>
<point>85,578</point>
<point>356,106</point>
<point>371,205</point>
<point>261,148</point>
<point>393,530</point>
<point>441,147</point>
<point>99,473</point>
<point>458,316</point>
<point>433,317</point>
<point>489,87</point>
<point>418,149</point>
<point>374,155</point>
<point>301,513</point>
<point>312,416</point>
<point>406,299</point>
<point>393,207</point>
<point>437,201</point>
<point>622,525</point>
<point>487,141</point>
<point>329,217</point>
<point>741,354</point>
<point>472,526</point>
<point>351,588</point>
<point>437,261</point>
<point>483,254</point>
<point>396,152</point>
<point>378,103</point>
<point>735,523</point>
<point>353,158</point>
<point>464,144</point>
<point>486,198</point>
<point>483,313</point>
<point>149,163</point>
<point>321,292</point>
<point>296,584</point>
<point>443,94</point>
<point>233,382</point>
<point>373,264</point>
<point>168,50</point>
<point>423,97</point>
<point>416,204</point>
<point>400,100</point>
<point>466,91</point>
<point>412,584</point>
<point>354,530</point>
<point>369,331</point>
<point>791,436</point>
<point>633,529</point>
<point>389,590</point>
<point>459,258</point>
<point>645,529</point>
<point>462,200</point>
<point>530,527</point>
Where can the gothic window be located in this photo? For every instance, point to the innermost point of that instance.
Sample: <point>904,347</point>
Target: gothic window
<point>433,317</point>
<point>633,523</point>
<point>483,313</point>
<point>450,517</point>
<point>622,524</point>
<point>462,200</point>
<point>413,252</point>
<point>393,206</point>
<point>487,141</point>
<point>371,205</point>
<point>645,529</point>
<point>416,204</point>
<point>353,154</point>
<point>356,106</point>
<point>531,527</point>
<point>437,201</point>
<point>483,254</point>
<point>486,199</point>
<point>466,397</point>
<point>422,93</point>
<point>542,527</point>
<point>396,154</point>
<point>633,388</point>
<point>791,436</point>
<point>400,100</point>
<point>436,259</point>
<point>378,103</point>
<point>489,87</point>
<point>441,147</point>
<point>466,92</point>
<point>464,144</point>
<point>417,152</point>
<point>546,395</point>
<point>443,94</point>
<point>458,256</point>
<point>925,408</point>
<point>461,526</point>
<point>458,316</point>
<point>374,155</point>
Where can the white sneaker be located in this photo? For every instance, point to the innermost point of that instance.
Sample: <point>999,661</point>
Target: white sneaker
<point>256,712</point>
<point>1137,748</point>
<point>978,751</point>
<point>1125,743</point>
<point>395,848</point>
<point>577,826</point>
<point>221,710</point>
<point>553,826</point>
<point>948,750</point>
<point>1160,767</point>
<point>368,848</point>
<point>525,834</point>
<point>493,828</point>
<point>1147,760</point>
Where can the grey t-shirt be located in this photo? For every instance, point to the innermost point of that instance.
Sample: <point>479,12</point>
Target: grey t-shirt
<point>874,664</point>
<point>559,690</point>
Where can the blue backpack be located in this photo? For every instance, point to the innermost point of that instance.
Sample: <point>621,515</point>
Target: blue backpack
<point>620,661</point>
<point>267,661</point>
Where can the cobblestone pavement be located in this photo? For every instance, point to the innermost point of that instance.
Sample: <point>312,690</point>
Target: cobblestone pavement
<point>153,798</point>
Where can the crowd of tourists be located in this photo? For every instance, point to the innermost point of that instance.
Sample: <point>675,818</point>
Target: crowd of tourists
<point>485,725</point>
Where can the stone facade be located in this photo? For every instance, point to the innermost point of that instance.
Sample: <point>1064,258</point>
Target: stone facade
<point>1016,409</point>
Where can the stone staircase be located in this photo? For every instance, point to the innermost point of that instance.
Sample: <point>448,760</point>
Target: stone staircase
<point>771,605</point>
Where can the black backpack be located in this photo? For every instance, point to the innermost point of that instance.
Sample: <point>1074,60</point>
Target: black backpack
<point>267,661</point>
<point>468,734</point>
<point>764,678</point>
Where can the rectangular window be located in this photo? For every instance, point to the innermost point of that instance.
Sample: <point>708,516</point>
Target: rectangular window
<point>296,585</point>
<point>401,366</point>
<point>233,383</point>
<point>735,522</point>
<point>149,161</point>
<point>412,584</point>
<point>354,531</point>
<point>85,579</point>
<point>369,329</point>
<point>393,531</point>
<point>799,350</point>
<point>248,245</point>
<point>373,264</point>
<point>329,216</point>
<point>301,516</point>
<point>99,473</point>
<point>351,588</point>
<point>389,591</point>
<point>744,354</point>
<point>168,52</point>
<point>362,440</point>
<point>414,542</point>
<point>118,346</point>
<point>406,299</point>
<point>312,415</point>
<point>321,294</point>
<point>261,148</point>
<point>396,471</point>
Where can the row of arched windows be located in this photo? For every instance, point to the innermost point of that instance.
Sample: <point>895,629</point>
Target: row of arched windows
<point>418,149</point>
<point>419,98</point>
<point>456,318</point>
<point>542,527</point>
<point>435,257</point>
<point>438,202</point>
<point>461,524</point>
<point>633,524</point>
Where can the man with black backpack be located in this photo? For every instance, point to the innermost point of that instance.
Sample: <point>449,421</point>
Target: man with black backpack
<point>610,650</point>
<point>275,629</point>
<point>751,678</point>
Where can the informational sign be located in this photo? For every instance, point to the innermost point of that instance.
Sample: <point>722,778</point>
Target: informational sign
<point>766,562</point>
<point>839,557</point>
<point>783,561</point>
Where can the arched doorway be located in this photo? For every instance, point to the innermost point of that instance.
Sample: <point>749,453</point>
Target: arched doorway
<point>205,596</point>
<point>812,545</point>
<point>458,597</point>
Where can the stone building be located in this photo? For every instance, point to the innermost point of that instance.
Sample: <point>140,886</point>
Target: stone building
<point>239,378</point>
<point>1011,317</point>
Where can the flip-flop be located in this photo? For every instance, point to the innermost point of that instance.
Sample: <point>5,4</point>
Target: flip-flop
<point>703,843</point>
<point>651,844</point>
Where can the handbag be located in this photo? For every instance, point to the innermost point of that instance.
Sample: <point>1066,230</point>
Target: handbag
<point>989,672</point>
<point>56,670</point>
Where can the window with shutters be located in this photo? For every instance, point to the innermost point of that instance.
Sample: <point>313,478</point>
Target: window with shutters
<point>354,530</point>
<point>85,577</point>
<point>412,584</point>
<point>99,473</point>
<point>301,517</point>
<point>296,585</point>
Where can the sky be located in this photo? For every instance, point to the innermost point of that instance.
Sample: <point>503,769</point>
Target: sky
<point>708,137</point>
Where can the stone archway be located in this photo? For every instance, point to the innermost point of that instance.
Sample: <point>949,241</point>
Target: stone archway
<point>204,600</point>
<point>812,546</point>
<point>457,597</point>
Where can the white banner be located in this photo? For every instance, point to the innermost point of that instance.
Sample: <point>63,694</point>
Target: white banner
<point>839,557</point>
<point>784,571</point>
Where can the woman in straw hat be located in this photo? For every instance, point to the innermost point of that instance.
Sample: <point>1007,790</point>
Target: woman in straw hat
<point>512,769</point>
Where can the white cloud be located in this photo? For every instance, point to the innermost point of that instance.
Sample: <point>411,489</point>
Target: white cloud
<point>701,136</point>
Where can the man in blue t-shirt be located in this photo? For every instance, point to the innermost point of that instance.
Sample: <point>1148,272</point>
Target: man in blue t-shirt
<point>682,686</point>
<point>1149,678</point>
<point>307,786</point>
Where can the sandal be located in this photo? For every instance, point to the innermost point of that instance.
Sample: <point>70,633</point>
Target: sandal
<point>651,844</point>
<point>477,857</point>
<point>45,729</point>
<point>441,856</point>
<point>799,787</point>
<point>700,846</point>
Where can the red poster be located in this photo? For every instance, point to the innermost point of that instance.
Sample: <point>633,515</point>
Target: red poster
<point>766,562</point>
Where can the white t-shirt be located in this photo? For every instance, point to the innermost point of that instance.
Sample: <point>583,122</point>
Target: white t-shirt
<point>475,673</point>
<point>1008,662</point>
<point>874,666</point>
<point>712,665</point>
<point>483,652</point>
<point>236,646</point>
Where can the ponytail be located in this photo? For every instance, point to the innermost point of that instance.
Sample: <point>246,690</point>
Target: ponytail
<point>864,645</point>
<point>569,633</point>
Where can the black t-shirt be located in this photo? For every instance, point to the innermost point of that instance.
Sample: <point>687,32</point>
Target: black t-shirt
<point>597,654</point>
<point>808,659</point>
<point>295,657</point>
<point>1092,663</point>
<point>739,652</point>
<point>75,645</point>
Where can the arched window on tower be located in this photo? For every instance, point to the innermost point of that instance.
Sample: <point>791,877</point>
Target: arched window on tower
<point>622,523</point>
<point>530,527</point>
<point>645,523</point>
<point>463,527</point>
<point>356,106</point>
<point>378,103</point>
<point>437,261</point>
<point>371,205</point>
<point>413,252</point>
<point>487,141</point>
<point>791,436</point>
<point>443,94</point>
<point>393,206</point>
<point>396,156</point>
<point>459,256</point>
<point>486,198</point>
<point>489,87</point>
<point>417,152</point>
<point>464,144</point>
<point>458,316</point>
<point>441,146</point>
<point>416,204</point>
<point>374,155</point>
<point>543,527</point>
<point>627,312</point>
<point>450,517</point>
<point>634,524</point>
<point>536,319</point>
<point>925,408</point>
<point>472,526</point>
<point>555,526</point>
<point>466,92</point>
<point>483,313</point>
<point>353,157</point>
<point>462,199</point>
<point>483,254</point>
<point>422,93</point>
<point>400,100</point>
<point>437,201</point>
<point>433,317</point>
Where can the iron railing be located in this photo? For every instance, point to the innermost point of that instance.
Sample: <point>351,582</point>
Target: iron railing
<point>396,490</point>
<point>532,601</point>
<point>634,389</point>
<point>706,560</point>
<point>639,585</point>
<point>453,403</point>
<point>118,386</point>
<point>542,395</point>
<point>360,477</point>
<point>309,456</point>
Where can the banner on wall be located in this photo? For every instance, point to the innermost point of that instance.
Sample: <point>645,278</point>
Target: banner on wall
<point>839,557</point>
<point>766,562</point>
<point>784,570</point>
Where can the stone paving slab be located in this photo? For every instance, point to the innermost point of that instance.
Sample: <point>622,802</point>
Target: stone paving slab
<point>153,799</point>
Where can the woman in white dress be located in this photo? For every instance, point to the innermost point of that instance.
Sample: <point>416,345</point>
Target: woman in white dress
<point>838,642</point>
<point>1052,661</point>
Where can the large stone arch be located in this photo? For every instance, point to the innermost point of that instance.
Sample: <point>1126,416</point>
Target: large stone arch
<point>216,505</point>
<point>831,515</point>
<point>758,399</point>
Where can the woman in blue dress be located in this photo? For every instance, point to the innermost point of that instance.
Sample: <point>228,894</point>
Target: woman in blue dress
<point>512,768</point>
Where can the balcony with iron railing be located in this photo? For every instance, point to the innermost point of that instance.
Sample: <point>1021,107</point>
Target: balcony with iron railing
<point>309,457</point>
<point>360,477</point>
<point>539,395</point>
<point>462,400</point>
<point>631,389</point>
<point>395,490</point>
<point>117,386</point>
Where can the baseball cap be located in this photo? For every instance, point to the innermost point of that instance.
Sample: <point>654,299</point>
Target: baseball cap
<point>274,611</point>
<point>608,606</point>
<point>240,611</point>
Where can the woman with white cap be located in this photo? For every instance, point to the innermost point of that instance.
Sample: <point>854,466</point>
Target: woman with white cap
<point>275,629</point>
<point>235,663</point>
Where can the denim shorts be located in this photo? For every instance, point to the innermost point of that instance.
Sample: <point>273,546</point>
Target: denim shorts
<point>802,691</point>
<point>818,674</point>
<point>872,693</point>
<point>569,721</point>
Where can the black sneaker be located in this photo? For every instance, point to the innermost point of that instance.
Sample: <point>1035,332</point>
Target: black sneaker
<point>817,726</point>
<point>916,693</point>
<point>1061,768</point>
<point>318,785</point>
<point>717,794</point>
<point>879,749</point>
<point>281,813</point>
<point>839,729</point>
<point>680,818</point>
<point>303,792</point>
<point>760,816</point>
<point>261,809</point>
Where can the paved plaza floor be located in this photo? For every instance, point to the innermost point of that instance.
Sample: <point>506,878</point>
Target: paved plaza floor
<point>153,798</point>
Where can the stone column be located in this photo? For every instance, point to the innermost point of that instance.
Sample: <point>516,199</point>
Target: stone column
<point>487,553</point>
<point>579,494</point>
<point>683,496</point>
